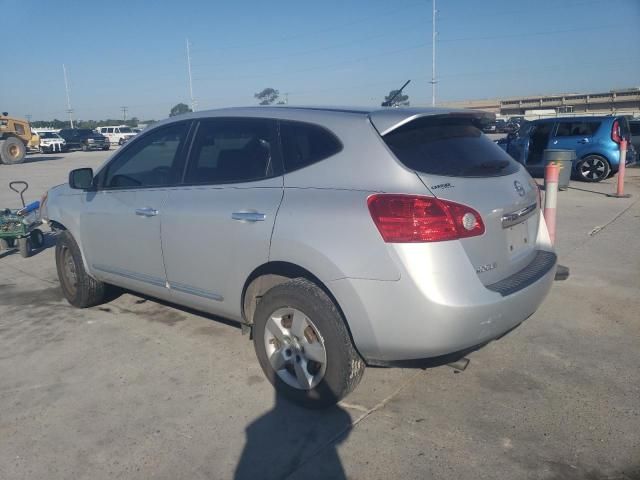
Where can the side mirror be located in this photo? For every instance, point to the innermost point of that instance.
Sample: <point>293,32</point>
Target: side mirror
<point>81,178</point>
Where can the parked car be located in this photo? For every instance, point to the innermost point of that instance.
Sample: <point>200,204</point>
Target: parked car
<point>84,139</point>
<point>634,127</point>
<point>489,127</point>
<point>117,134</point>
<point>596,141</point>
<point>51,142</point>
<point>501,125</point>
<point>341,237</point>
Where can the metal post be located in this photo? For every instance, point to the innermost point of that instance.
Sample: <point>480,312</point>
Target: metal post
<point>621,170</point>
<point>551,176</point>
<point>433,54</point>
<point>193,102</point>
<point>66,86</point>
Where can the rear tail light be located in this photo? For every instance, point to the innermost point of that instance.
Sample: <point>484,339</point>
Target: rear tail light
<point>615,132</point>
<point>415,218</point>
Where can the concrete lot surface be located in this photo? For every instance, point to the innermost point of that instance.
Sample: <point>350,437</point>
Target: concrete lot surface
<point>135,389</point>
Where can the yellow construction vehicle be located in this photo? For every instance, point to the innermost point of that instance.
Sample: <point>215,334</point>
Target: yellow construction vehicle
<point>15,135</point>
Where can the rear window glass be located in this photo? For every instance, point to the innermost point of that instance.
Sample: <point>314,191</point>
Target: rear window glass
<point>577,129</point>
<point>449,146</point>
<point>304,144</point>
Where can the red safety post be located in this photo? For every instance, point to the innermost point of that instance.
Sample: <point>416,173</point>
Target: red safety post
<point>621,169</point>
<point>551,175</point>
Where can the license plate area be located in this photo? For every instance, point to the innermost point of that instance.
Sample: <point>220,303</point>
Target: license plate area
<point>518,239</point>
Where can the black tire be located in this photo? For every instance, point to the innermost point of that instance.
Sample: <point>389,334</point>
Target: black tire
<point>37,238</point>
<point>82,291</point>
<point>12,151</point>
<point>120,142</point>
<point>344,367</point>
<point>7,243</point>
<point>24,247</point>
<point>593,168</point>
<point>108,147</point>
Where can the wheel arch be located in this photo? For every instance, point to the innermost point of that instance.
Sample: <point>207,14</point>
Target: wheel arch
<point>273,273</point>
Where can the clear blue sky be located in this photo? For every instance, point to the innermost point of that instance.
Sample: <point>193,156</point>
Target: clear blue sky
<point>323,52</point>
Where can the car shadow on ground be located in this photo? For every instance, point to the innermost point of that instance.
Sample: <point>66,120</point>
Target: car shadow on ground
<point>41,157</point>
<point>287,437</point>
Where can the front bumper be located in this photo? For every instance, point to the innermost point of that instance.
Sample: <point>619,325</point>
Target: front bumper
<point>439,308</point>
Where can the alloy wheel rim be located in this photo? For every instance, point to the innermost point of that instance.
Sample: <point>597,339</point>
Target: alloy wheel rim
<point>295,348</point>
<point>593,169</point>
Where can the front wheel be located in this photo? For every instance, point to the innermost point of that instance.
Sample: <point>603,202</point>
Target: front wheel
<point>78,287</point>
<point>593,168</point>
<point>303,345</point>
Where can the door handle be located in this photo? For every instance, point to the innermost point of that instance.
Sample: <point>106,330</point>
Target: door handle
<point>249,216</point>
<point>146,212</point>
<point>584,140</point>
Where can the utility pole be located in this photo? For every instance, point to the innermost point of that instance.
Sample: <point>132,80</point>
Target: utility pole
<point>28,117</point>
<point>124,114</point>
<point>433,55</point>
<point>66,86</point>
<point>193,102</point>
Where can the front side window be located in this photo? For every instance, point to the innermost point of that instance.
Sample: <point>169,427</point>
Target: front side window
<point>152,161</point>
<point>109,130</point>
<point>577,129</point>
<point>233,150</point>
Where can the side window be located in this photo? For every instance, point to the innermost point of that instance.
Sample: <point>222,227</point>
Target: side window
<point>227,150</point>
<point>153,161</point>
<point>635,128</point>
<point>109,130</point>
<point>577,129</point>
<point>304,144</point>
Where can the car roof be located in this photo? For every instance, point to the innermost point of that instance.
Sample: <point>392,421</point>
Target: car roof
<point>385,119</point>
<point>583,118</point>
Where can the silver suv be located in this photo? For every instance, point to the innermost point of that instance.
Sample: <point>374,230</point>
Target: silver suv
<point>341,237</point>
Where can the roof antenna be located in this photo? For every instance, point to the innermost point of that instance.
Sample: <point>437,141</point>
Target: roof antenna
<point>389,103</point>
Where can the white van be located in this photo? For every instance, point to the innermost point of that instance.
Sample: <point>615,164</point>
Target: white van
<point>117,134</point>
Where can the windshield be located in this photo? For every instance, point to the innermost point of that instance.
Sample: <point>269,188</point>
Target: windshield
<point>125,130</point>
<point>48,135</point>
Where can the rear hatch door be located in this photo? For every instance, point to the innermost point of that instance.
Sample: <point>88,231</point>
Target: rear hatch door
<point>457,162</point>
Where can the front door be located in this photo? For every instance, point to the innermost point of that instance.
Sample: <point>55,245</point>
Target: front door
<point>216,229</point>
<point>120,224</point>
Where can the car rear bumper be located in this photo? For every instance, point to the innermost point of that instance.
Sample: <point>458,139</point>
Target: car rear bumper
<point>440,309</point>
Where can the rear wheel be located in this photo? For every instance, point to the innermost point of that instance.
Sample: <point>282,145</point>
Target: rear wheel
<point>12,151</point>
<point>24,247</point>
<point>593,168</point>
<point>37,238</point>
<point>78,287</point>
<point>303,345</point>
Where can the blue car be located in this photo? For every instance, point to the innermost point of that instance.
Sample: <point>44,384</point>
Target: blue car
<point>596,141</point>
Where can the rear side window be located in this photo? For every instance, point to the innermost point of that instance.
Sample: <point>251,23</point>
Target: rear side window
<point>635,128</point>
<point>449,146</point>
<point>304,144</point>
<point>233,150</point>
<point>577,129</point>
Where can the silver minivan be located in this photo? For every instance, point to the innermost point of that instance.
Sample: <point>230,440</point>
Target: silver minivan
<point>340,236</point>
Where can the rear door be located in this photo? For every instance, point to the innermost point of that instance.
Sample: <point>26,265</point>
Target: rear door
<point>457,162</point>
<point>578,135</point>
<point>216,228</point>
